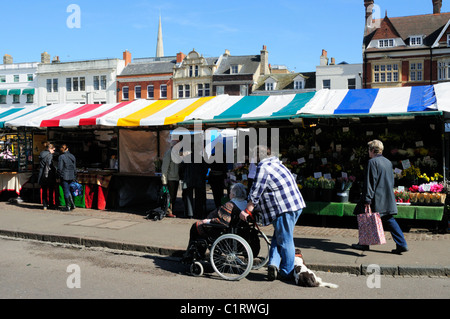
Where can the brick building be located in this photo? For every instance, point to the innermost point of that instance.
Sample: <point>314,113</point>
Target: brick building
<point>406,51</point>
<point>147,78</point>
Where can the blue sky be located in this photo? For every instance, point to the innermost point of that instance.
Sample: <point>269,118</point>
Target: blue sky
<point>294,31</point>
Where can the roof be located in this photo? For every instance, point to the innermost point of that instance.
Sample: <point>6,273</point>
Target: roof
<point>249,64</point>
<point>285,81</point>
<point>156,67</point>
<point>428,25</point>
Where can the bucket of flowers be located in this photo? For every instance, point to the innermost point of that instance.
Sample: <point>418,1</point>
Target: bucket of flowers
<point>343,186</point>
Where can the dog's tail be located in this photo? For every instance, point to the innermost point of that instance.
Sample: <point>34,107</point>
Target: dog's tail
<point>327,284</point>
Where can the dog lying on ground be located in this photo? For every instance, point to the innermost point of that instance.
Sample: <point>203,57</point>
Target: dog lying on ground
<point>305,277</point>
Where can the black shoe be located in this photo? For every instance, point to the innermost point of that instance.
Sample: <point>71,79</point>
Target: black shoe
<point>65,209</point>
<point>272,273</point>
<point>399,250</point>
<point>360,247</point>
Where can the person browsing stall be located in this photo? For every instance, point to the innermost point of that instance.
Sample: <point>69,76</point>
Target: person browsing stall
<point>67,166</point>
<point>378,193</point>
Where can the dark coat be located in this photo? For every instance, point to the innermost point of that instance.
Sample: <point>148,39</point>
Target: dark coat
<point>193,174</point>
<point>47,171</point>
<point>378,189</point>
<point>67,166</point>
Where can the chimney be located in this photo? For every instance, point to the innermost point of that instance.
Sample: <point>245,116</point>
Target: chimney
<point>333,61</point>
<point>264,61</point>
<point>324,58</point>
<point>437,4</point>
<point>369,12</point>
<point>127,57</point>
<point>180,57</point>
<point>7,59</point>
<point>56,59</point>
<point>227,52</point>
<point>45,57</point>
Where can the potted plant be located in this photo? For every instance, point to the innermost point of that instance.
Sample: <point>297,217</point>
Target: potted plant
<point>327,189</point>
<point>343,186</point>
<point>310,188</point>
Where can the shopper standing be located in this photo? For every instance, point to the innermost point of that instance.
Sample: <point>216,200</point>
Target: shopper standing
<point>276,192</point>
<point>47,175</point>
<point>170,177</point>
<point>378,194</point>
<point>67,166</point>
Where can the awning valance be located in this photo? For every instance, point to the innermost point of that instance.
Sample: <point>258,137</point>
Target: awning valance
<point>14,92</point>
<point>3,92</point>
<point>28,91</point>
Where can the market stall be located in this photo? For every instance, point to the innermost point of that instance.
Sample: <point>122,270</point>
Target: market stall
<point>324,133</point>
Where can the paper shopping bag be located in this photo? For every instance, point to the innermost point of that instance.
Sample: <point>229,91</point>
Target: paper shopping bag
<point>370,229</point>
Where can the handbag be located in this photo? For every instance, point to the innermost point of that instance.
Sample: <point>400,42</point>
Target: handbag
<point>370,228</point>
<point>76,189</point>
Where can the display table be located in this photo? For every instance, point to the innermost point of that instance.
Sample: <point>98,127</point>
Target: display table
<point>136,189</point>
<point>13,181</point>
<point>434,213</point>
<point>96,188</point>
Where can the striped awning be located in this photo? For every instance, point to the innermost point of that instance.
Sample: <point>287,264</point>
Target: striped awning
<point>225,108</point>
<point>12,113</point>
<point>372,101</point>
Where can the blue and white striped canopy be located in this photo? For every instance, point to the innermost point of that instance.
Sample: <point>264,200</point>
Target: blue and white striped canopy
<point>372,101</point>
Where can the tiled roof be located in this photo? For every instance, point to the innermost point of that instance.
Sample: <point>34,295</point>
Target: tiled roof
<point>148,68</point>
<point>429,25</point>
<point>249,64</point>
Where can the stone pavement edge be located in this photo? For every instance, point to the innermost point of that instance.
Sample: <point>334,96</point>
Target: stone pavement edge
<point>323,248</point>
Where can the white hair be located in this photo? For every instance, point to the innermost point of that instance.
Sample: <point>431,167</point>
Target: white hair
<point>238,191</point>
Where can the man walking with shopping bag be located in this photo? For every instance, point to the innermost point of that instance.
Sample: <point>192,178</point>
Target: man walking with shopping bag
<point>378,196</point>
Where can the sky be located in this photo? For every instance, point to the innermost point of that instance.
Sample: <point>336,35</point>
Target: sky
<point>294,31</point>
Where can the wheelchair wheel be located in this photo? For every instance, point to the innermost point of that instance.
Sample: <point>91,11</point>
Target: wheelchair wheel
<point>196,269</point>
<point>231,257</point>
<point>262,258</point>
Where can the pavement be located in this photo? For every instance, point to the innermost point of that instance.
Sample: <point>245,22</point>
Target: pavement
<point>323,248</point>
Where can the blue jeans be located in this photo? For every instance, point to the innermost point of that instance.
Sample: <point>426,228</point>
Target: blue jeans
<point>282,248</point>
<point>66,188</point>
<point>392,226</point>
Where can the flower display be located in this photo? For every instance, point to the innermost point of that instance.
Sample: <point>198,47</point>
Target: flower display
<point>345,183</point>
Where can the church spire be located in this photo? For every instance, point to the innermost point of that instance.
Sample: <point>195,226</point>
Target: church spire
<point>159,44</point>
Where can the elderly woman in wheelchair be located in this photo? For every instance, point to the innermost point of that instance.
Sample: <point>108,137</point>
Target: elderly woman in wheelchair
<point>234,245</point>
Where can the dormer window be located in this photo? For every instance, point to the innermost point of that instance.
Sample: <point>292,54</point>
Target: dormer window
<point>234,69</point>
<point>386,43</point>
<point>415,40</point>
<point>270,86</point>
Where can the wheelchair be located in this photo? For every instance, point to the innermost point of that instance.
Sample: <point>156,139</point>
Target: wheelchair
<point>234,250</point>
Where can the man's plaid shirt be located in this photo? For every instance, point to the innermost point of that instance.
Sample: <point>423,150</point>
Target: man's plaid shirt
<point>275,190</point>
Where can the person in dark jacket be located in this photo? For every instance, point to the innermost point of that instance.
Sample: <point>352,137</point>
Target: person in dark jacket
<point>378,193</point>
<point>67,166</point>
<point>193,175</point>
<point>47,175</point>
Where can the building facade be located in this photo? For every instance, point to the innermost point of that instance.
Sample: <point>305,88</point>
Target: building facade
<point>193,77</point>
<point>406,51</point>
<point>18,83</point>
<point>147,78</point>
<point>81,82</point>
<point>330,75</point>
<point>237,75</point>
